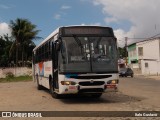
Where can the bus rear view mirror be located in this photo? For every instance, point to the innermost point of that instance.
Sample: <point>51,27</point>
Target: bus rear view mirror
<point>58,46</point>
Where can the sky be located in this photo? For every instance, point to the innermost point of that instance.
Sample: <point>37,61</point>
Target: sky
<point>134,19</point>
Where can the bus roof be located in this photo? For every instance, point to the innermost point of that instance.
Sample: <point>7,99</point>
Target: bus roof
<point>46,39</point>
<point>57,30</point>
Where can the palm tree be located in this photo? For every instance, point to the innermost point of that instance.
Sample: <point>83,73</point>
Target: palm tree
<point>5,44</point>
<point>24,32</point>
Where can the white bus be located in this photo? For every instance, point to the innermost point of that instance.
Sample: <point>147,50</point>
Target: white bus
<point>77,60</point>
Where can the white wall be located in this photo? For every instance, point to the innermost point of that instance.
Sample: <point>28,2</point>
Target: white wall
<point>151,55</point>
<point>152,69</point>
<point>150,49</point>
<point>20,71</point>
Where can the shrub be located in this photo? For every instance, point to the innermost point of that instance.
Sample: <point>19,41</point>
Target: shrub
<point>9,76</point>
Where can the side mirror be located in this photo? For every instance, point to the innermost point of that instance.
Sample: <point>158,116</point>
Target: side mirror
<point>58,45</point>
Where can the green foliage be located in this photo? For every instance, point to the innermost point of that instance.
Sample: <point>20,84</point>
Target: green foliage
<point>5,44</point>
<point>16,79</point>
<point>122,52</point>
<point>17,49</point>
<point>9,76</point>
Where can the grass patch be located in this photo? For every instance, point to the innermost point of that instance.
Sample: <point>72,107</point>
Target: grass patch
<point>16,79</point>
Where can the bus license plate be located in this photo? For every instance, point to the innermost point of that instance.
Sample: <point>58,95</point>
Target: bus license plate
<point>72,87</point>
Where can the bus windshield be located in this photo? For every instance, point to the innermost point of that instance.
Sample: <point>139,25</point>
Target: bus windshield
<point>88,54</point>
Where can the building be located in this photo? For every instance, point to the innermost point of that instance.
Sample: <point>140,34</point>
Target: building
<point>144,57</point>
<point>121,63</point>
<point>133,58</point>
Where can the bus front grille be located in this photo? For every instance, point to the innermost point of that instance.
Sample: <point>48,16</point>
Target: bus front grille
<point>94,83</point>
<point>91,90</point>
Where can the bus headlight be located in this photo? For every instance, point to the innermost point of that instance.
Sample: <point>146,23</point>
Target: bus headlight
<point>68,83</point>
<point>113,82</point>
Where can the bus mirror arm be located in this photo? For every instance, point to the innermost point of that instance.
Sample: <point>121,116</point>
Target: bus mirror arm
<point>58,45</point>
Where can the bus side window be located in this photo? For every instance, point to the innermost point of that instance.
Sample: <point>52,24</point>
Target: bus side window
<point>33,57</point>
<point>40,54</point>
<point>43,53</point>
<point>36,56</point>
<point>55,55</point>
<point>46,52</point>
<point>49,53</point>
<point>50,50</point>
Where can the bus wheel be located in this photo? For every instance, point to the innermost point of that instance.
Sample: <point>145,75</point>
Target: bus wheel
<point>39,87</point>
<point>52,91</point>
<point>96,95</point>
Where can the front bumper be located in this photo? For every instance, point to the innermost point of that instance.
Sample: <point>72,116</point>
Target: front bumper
<point>76,89</point>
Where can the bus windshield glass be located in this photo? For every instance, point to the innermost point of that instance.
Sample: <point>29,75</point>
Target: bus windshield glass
<point>88,54</point>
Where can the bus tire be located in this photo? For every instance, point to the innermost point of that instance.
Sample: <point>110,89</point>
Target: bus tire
<point>39,87</point>
<point>52,90</point>
<point>96,95</point>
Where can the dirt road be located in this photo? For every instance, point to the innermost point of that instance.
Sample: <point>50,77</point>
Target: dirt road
<point>135,94</point>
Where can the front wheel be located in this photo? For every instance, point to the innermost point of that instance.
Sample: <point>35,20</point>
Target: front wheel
<point>52,91</point>
<point>39,87</point>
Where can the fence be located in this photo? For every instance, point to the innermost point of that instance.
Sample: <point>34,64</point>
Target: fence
<point>17,71</point>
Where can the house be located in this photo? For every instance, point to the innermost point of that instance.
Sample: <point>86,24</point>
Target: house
<point>133,60</point>
<point>144,56</point>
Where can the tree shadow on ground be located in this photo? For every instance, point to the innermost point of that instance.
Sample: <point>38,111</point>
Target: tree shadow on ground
<point>112,97</point>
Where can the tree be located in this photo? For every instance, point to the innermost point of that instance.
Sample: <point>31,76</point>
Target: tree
<point>122,52</point>
<point>5,44</point>
<point>24,32</point>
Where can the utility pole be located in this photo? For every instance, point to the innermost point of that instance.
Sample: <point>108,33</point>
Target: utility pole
<point>126,39</point>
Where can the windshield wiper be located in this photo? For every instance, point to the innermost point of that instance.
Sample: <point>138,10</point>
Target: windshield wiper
<point>98,41</point>
<point>78,41</point>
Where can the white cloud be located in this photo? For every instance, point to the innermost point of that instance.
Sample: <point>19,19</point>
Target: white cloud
<point>61,12</point>
<point>142,14</point>
<point>109,20</point>
<point>4,6</point>
<point>57,16</point>
<point>64,7</point>
<point>96,24</point>
<point>4,29</point>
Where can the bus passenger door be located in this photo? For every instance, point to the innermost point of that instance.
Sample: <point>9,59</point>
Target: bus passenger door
<point>55,65</point>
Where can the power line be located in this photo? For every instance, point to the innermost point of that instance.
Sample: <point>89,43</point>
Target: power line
<point>146,38</point>
<point>137,38</point>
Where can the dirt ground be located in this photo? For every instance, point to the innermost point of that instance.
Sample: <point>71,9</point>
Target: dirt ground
<point>134,95</point>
